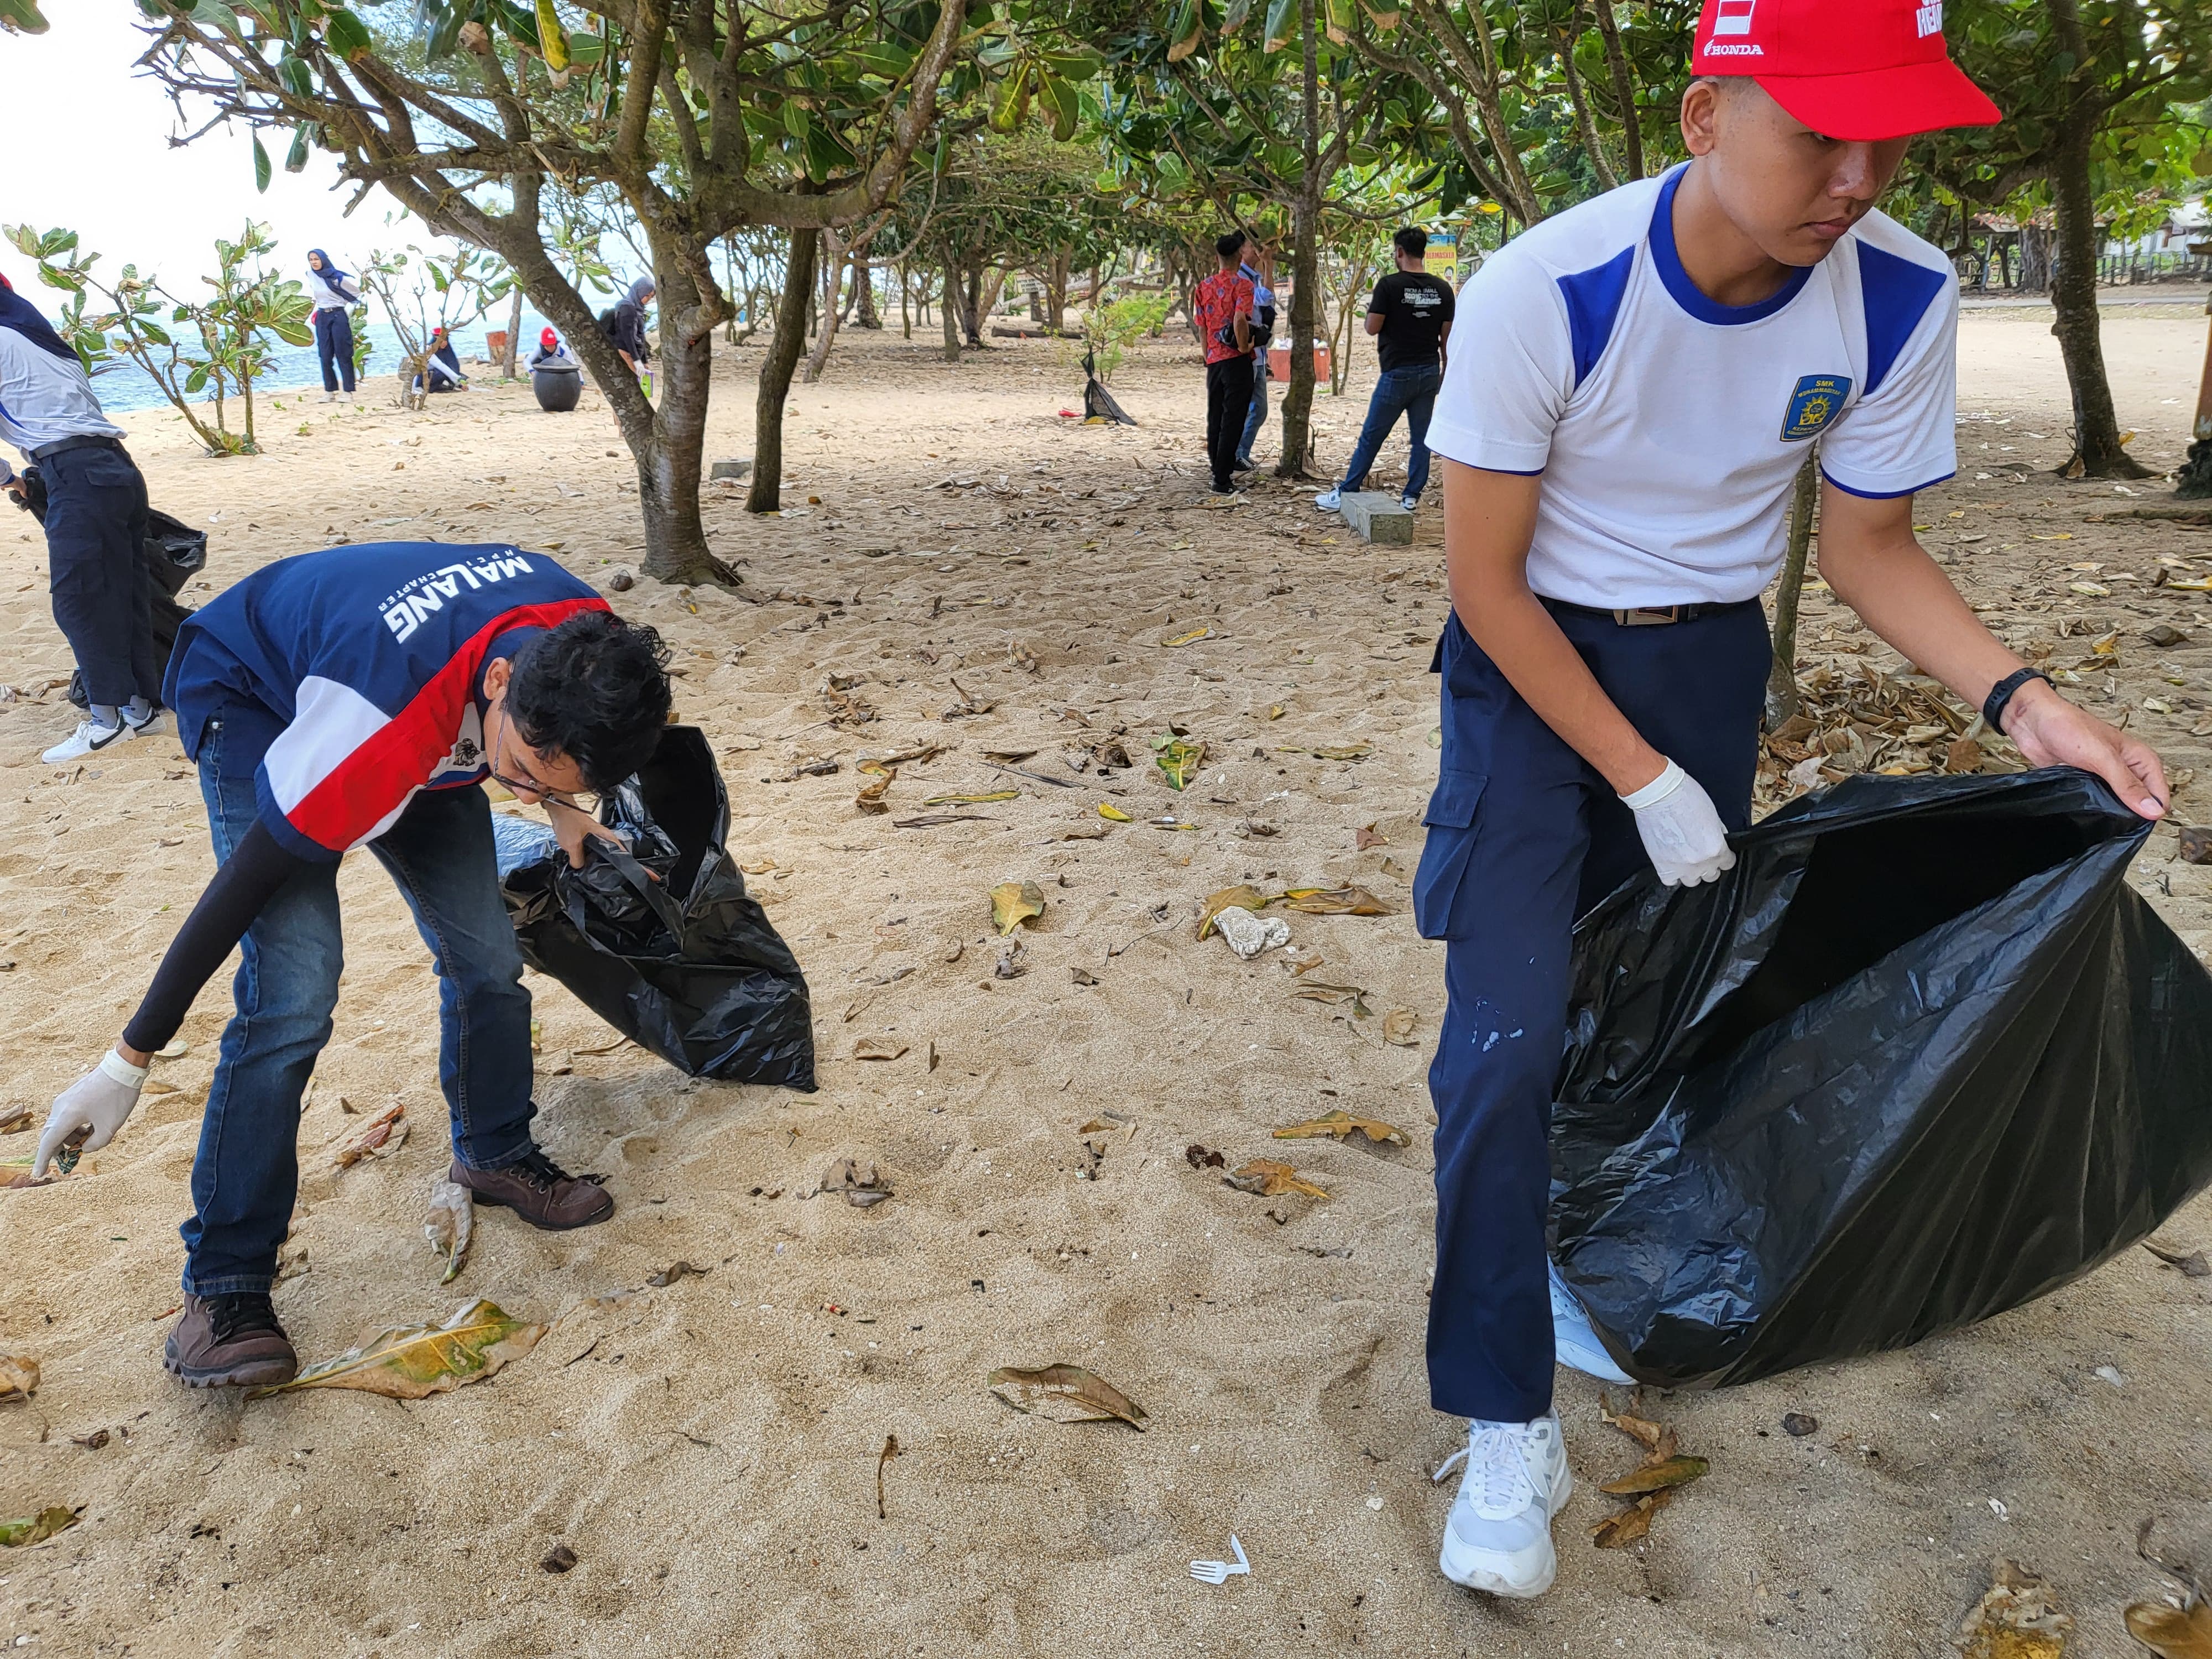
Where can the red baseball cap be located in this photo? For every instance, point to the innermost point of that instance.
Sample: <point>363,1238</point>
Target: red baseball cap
<point>1859,70</point>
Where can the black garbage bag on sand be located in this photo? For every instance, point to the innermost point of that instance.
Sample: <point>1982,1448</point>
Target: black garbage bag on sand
<point>1922,1056</point>
<point>687,965</point>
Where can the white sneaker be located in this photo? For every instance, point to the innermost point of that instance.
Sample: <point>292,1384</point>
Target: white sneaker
<point>1573,1340</point>
<point>1409,502</point>
<point>89,738</point>
<point>1329,500</point>
<point>330,397</point>
<point>1498,1535</point>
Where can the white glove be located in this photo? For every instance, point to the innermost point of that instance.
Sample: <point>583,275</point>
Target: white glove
<point>1680,829</point>
<point>99,1102</point>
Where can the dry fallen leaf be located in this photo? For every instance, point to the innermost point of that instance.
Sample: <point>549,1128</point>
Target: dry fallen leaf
<point>1269,1179</point>
<point>1108,810</point>
<point>13,1121</point>
<point>1013,903</point>
<point>383,1135</point>
<point>1230,898</point>
<point>1178,758</point>
<point>1368,836</point>
<point>410,1362</point>
<point>2170,1632</point>
<point>890,1450</point>
<point>871,797</point>
<point>2015,1619</point>
<point>1677,1471</point>
<point>973,800</point>
<point>449,1225</point>
<point>864,1189</point>
<point>1342,1125</point>
<point>1333,902</point>
<point>878,1049</point>
<point>1631,1525</point>
<point>674,1273</point>
<point>1655,1440</point>
<point>37,1528</point>
<point>19,1376</point>
<point>2196,845</point>
<point>2192,1263</point>
<point>1066,1394</point>
<point>1398,1028</point>
<point>1190,638</point>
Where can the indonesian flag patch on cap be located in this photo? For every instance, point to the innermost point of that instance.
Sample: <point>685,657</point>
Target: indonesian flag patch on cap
<point>1858,69</point>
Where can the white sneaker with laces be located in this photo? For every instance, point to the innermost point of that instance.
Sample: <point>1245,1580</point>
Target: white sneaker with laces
<point>89,738</point>
<point>1573,1340</point>
<point>1498,1535</point>
<point>1409,502</point>
<point>1329,500</point>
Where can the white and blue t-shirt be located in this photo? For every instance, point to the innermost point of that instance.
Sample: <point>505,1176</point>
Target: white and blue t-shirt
<point>372,659</point>
<point>1668,427</point>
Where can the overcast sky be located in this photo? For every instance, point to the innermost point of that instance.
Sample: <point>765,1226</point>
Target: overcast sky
<point>84,143</point>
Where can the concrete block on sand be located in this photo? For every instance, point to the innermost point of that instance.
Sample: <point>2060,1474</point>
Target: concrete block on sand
<point>1377,518</point>
<point>740,468</point>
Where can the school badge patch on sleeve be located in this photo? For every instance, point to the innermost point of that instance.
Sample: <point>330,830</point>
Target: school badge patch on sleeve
<point>1813,405</point>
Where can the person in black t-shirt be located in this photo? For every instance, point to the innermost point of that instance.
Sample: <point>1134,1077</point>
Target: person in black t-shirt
<point>1411,318</point>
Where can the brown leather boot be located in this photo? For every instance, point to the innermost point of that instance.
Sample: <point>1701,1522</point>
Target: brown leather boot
<point>539,1191</point>
<point>229,1341</point>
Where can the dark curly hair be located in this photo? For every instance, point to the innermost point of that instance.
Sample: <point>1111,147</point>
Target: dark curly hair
<point>594,688</point>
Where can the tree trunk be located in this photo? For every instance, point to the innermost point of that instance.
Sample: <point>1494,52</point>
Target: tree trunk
<point>2035,259</point>
<point>1624,87</point>
<point>2097,451</point>
<point>1306,268</point>
<point>949,310</point>
<point>670,443</point>
<point>2194,482</point>
<point>833,314</point>
<point>971,305</point>
<point>1782,679</point>
<point>864,282</point>
<point>1055,292</point>
<point>994,284</point>
<point>766,493</point>
<point>514,329</point>
<point>906,320</point>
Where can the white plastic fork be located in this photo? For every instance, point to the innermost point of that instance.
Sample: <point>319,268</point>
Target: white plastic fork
<point>1220,1572</point>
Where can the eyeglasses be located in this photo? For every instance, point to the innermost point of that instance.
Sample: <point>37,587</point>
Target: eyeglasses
<point>525,789</point>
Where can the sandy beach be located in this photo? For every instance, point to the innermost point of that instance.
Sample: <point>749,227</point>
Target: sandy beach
<point>983,573</point>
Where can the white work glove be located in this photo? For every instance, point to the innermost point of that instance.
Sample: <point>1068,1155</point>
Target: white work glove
<point>1680,829</point>
<point>99,1102</point>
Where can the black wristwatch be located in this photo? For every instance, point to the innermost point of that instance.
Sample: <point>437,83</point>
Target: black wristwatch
<point>2002,694</point>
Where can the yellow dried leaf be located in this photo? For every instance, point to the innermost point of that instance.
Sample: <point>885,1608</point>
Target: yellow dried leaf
<point>1275,711</point>
<point>1230,898</point>
<point>872,796</point>
<point>973,800</point>
<point>19,1376</point>
<point>1179,759</point>
<point>1631,1525</point>
<point>2173,1632</point>
<point>1398,1028</point>
<point>1066,1394</point>
<point>1190,638</point>
<point>1677,1471</point>
<point>2016,1619</point>
<point>1108,810</point>
<point>412,1361</point>
<point>1333,902</point>
<point>1013,903</point>
<point>1269,1179</point>
<point>37,1528</point>
<point>1341,1126</point>
<point>1654,1438</point>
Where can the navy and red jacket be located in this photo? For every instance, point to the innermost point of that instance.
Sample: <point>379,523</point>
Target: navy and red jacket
<point>372,659</point>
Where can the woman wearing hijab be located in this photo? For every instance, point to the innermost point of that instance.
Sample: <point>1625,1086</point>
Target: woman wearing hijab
<point>95,523</point>
<point>624,327</point>
<point>334,293</point>
<point>445,366</point>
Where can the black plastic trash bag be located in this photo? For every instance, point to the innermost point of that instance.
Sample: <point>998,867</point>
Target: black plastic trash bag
<point>687,965</point>
<point>1922,1056</point>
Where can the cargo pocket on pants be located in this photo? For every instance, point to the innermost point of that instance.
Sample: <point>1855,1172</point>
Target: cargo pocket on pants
<point>1439,907</point>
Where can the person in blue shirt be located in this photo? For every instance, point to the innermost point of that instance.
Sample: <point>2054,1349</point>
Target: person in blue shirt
<point>1263,328</point>
<point>96,524</point>
<point>357,697</point>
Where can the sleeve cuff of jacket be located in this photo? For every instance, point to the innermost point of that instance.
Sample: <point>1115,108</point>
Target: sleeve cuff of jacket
<point>1469,448</point>
<point>286,835</point>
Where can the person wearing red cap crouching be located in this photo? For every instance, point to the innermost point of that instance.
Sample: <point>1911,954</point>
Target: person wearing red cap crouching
<point>1617,463</point>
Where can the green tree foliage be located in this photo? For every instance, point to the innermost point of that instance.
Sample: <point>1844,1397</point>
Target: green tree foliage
<point>202,352</point>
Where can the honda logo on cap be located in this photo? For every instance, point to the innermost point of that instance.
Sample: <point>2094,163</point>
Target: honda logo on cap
<point>1734,16</point>
<point>1930,20</point>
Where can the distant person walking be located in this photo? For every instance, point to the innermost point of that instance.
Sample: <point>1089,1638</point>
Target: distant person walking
<point>1410,317</point>
<point>334,292</point>
<point>624,323</point>
<point>1263,329</point>
<point>1222,309</point>
<point>95,514</point>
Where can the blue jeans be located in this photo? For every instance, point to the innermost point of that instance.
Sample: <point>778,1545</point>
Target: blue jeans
<point>1408,392</point>
<point>1258,417</point>
<point>1523,836</point>
<point>246,1176</point>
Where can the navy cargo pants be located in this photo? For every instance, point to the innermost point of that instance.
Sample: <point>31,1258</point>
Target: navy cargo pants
<point>1523,836</point>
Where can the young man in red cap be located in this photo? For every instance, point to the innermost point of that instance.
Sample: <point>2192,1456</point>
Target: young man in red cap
<point>1616,473</point>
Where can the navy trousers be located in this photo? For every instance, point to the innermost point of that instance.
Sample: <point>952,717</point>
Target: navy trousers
<point>102,592</point>
<point>334,348</point>
<point>1523,836</point>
